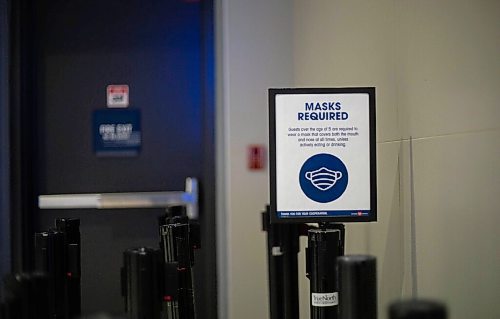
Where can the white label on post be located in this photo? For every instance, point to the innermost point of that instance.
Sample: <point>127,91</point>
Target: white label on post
<point>325,299</point>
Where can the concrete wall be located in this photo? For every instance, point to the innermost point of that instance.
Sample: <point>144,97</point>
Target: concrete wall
<point>436,68</point>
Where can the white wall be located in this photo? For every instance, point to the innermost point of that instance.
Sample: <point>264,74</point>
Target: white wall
<point>436,67</point>
<point>449,79</point>
<point>352,43</point>
<point>254,50</point>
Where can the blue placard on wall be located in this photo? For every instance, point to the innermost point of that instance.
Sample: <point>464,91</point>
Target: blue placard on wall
<point>117,132</point>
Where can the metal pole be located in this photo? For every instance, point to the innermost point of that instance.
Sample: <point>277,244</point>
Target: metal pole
<point>282,249</point>
<point>417,309</point>
<point>49,258</point>
<point>179,239</point>
<point>71,229</point>
<point>325,244</point>
<point>357,287</point>
<point>140,284</point>
<point>27,297</point>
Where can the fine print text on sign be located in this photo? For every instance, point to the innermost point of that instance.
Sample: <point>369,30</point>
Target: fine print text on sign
<point>117,132</point>
<point>322,154</point>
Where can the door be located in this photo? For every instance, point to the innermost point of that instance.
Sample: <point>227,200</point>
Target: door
<point>161,49</point>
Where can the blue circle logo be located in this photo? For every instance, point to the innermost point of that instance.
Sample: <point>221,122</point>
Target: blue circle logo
<point>323,178</point>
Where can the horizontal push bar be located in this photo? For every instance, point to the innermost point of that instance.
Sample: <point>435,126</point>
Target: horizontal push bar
<point>188,198</point>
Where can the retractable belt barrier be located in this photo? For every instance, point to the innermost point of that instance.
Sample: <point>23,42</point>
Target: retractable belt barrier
<point>165,275</point>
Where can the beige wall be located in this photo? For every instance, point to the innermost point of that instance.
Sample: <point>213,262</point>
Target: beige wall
<point>352,43</point>
<point>254,54</point>
<point>436,67</point>
<point>449,79</point>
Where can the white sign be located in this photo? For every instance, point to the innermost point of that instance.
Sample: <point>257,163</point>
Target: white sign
<point>325,299</point>
<point>322,144</point>
<point>117,96</point>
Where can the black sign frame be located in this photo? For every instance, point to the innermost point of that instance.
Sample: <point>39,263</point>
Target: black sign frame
<point>273,92</point>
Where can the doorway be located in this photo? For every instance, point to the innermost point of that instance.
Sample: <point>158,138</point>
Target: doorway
<point>68,52</point>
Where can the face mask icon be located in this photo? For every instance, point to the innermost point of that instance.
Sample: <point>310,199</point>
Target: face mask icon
<point>323,178</point>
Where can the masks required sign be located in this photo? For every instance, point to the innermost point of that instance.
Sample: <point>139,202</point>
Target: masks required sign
<point>322,151</point>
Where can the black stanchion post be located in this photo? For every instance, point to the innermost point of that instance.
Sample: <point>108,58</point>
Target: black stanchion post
<point>57,253</point>
<point>325,244</point>
<point>357,287</point>
<point>71,230</point>
<point>50,259</point>
<point>27,296</point>
<point>140,284</point>
<point>289,269</point>
<point>283,245</point>
<point>179,239</point>
<point>417,309</point>
<point>4,310</point>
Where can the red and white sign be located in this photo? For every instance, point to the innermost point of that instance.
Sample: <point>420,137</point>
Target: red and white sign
<point>256,157</point>
<point>117,95</point>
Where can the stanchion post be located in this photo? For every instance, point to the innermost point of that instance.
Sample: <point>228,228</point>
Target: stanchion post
<point>325,244</point>
<point>283,245</point>
<point>49,258</point>
<point>140,285</point>
<point>70,227</point>
<point>417,309</point>
<point>357,287</point>
<point>179,239</point>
